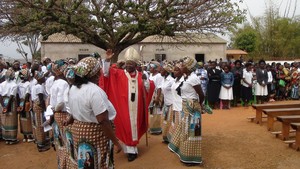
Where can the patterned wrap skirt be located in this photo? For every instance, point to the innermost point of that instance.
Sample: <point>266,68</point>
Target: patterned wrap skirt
<point>186,141</point>
<point>9,121</point>
<point>37,116</point>
<point>91,148</point>
<point>167,118</point>
<point>25,118</point>
<point>60,139</point>
<point>177,116</point>
<point>155,119</point>
<point>1,108</point>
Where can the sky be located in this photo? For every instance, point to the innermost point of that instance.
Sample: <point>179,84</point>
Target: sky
<point>255,8</point>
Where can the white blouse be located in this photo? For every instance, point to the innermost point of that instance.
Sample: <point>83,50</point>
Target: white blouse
<point>88,102</point>
<point>8,88</point>
<point>187,89</point>
<point>177,100</point>
<point>38,89</point>
<point>23,89</point>
<point>166,90</point>
<point>59,93</point>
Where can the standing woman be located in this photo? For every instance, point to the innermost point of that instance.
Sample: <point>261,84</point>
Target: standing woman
<point>226,93</point>
<point>9,116</point>
<point>238,74</point>
<point>177,100</point>
<point>186,142</point>
<point>38,94</point>
<point>261,89</point>
<point>214,85</point>
<point>91,115</point>
<point>58,101</point>
<point>167,116</point>
<point>24,106</point>
<point>156,102</point>
<point>247,82</point>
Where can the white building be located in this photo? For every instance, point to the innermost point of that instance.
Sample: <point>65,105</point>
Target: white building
<point>204,48</point>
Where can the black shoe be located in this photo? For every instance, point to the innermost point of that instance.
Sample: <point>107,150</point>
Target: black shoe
<point>131,157</point>
<point>42,148</point>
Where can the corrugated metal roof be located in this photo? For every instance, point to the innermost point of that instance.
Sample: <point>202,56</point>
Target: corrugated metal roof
<point>190,39</point>
<point>63,38</point>
<point>236,52</point>
<point>194,39</point>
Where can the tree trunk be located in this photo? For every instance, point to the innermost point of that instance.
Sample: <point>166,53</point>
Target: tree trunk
<point>115,57</point>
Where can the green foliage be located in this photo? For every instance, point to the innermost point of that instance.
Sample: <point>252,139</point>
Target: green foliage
<point>117,24</point>
<point>270,36</point>
<point>245,39</point>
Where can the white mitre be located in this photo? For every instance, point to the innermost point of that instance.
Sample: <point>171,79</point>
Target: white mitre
<point>132,54</point>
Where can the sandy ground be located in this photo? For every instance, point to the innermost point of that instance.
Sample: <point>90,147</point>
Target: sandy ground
<point>229,141</point>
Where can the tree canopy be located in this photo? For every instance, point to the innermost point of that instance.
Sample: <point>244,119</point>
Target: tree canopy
<point>270,36</point>
<point>117,24</point>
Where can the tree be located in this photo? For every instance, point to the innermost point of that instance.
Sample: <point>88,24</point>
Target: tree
<point>245,39</point>
<point>31,40</point>
<point>118,24</point>
<point>275,36</point>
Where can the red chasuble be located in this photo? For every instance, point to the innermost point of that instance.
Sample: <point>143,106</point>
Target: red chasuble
<point>116,88</point>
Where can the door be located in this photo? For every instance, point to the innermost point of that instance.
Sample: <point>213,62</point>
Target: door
<point>199,57</point>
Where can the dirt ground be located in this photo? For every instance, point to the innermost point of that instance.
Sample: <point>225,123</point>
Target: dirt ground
<point>229,141</point>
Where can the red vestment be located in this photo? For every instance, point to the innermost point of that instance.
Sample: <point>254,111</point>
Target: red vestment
<point>116,88</point>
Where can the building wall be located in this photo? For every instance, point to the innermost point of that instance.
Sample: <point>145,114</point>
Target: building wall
<point>56,51</point>
<point>172,52</point>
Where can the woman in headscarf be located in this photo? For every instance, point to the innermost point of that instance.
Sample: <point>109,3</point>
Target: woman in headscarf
<point>156,102</point>
<point>38,95</point>
<point>167,116</point>
<point>58,101</point>
<point>186,142</point>
<point>91,114</point>
<point>24,106</point>
<point>9,116</point>
<point>177,100</point>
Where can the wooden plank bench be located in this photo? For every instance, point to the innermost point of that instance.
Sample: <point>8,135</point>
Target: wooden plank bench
<point>272,113</point>
<point>260,107</point>
<point>296,126</point>
<point>286,121</point>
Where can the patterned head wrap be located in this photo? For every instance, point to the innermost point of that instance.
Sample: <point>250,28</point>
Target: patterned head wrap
<point>87,67</point>
<point>59,66</point>
<point>154,64</point>
<point>16,62</point>
<point>200,63</point>
<point>190,63</point>
<point>69,73</point>
<point>25,73</point>
<point>10,74</point>
<point>38,75</point>
<point>168,67</point>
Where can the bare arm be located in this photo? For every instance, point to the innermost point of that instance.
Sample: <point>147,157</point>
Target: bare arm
<point>107,129</point>
<point>199,91</point>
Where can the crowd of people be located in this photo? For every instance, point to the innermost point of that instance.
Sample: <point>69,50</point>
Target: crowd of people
<point>85,110</point>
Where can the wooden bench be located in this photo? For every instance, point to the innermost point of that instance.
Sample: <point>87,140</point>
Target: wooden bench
<point>272,113</point>
<point>286,121</point>
<point>296,126</point>
<point>260,107</point>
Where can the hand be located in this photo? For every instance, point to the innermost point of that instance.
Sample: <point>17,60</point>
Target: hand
<point>109,54</point>
<point>118,147</point>
<point>65,123</point>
